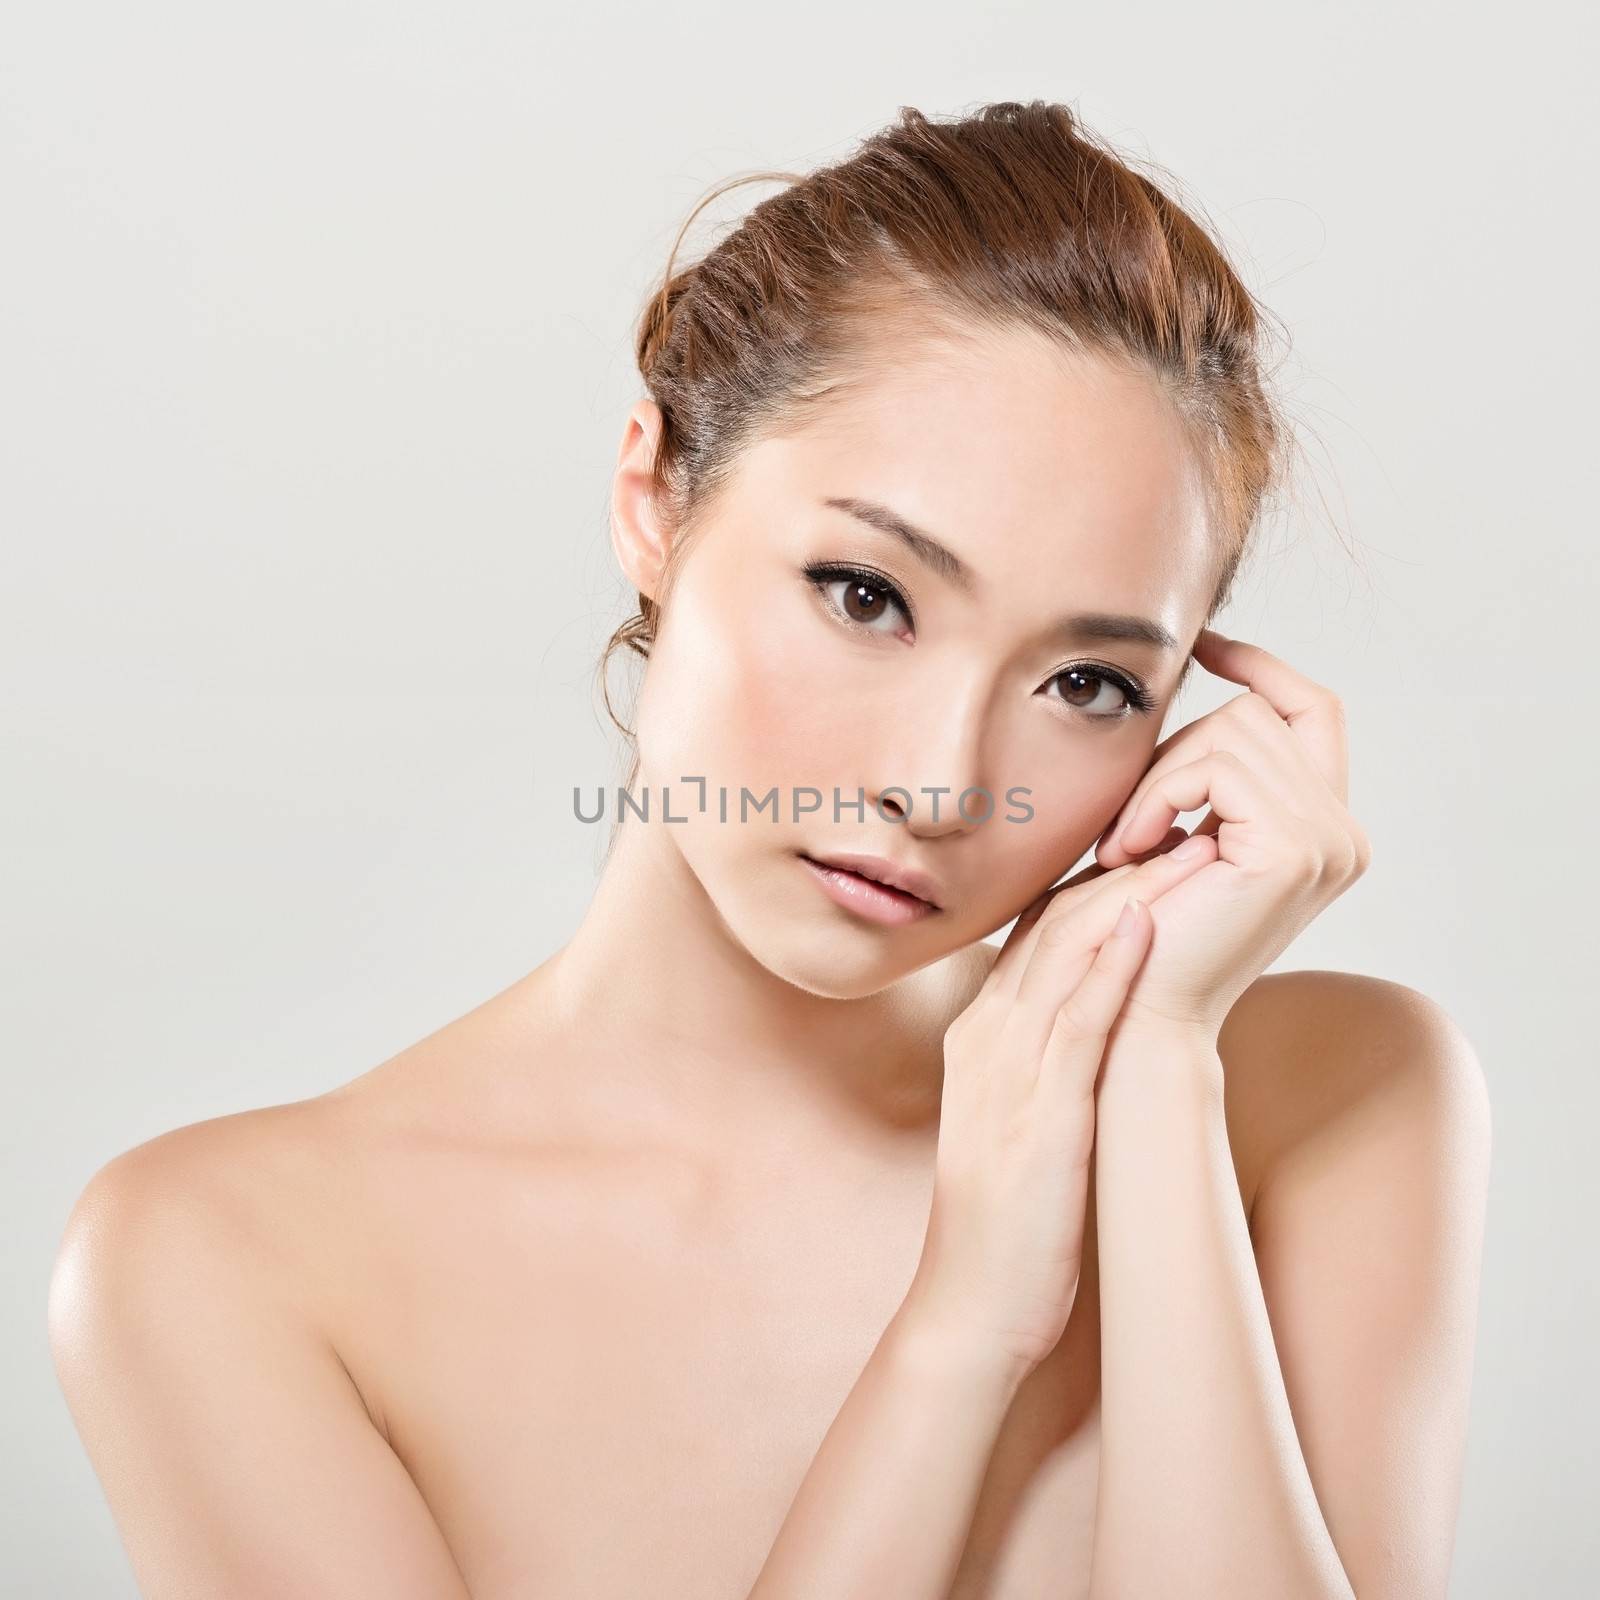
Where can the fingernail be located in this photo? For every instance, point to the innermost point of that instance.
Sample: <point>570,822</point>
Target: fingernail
<point>1130,915</point>
<point>1190,848</point>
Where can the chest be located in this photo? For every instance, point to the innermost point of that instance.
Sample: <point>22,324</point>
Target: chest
<point>603,1390</point>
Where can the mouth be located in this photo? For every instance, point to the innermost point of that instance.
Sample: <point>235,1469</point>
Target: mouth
<point>862,884</point>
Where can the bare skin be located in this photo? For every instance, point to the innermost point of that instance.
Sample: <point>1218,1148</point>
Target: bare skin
<point>564,1298</point>
<point>604,1361</point>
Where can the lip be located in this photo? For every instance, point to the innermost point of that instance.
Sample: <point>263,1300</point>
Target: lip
<point>876,887</point>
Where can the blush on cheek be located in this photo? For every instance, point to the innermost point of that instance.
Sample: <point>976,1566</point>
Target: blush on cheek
<point>722,697</point>
<point>1066,822</point>
<point>786,707</point>
<point>764,691</point>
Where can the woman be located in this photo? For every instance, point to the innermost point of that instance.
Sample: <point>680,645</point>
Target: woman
<point>778,1236</point>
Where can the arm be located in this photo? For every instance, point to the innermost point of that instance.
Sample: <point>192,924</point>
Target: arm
<point>886,1506</point>
<point>234,1449</point>
<point>1354,1306</point>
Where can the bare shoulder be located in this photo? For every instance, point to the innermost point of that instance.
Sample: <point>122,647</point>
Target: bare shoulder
<point>246,1189</point>
<point>1299,1046</point>
<point>277,1179</point>
<point>189,1322</point>
<point>1310,1054</point>
<point>278,1189</point>
<point>1305,1051</point>
<point>283,1200</point>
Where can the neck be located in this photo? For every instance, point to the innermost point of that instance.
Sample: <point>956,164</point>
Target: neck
<point>691,1031</point>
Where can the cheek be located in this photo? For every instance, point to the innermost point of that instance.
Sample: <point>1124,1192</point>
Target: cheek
<point>743,695</point>
<point>782,707</point>
<point>1071,806</point>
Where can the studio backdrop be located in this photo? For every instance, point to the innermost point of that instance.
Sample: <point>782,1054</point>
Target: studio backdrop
<point>314,359</point>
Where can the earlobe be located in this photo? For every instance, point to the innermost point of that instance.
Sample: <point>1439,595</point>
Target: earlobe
<point>637,535</point>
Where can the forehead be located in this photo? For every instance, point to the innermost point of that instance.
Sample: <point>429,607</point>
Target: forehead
<point>1065,474</point>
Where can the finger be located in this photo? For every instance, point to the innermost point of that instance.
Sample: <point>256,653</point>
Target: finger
<point>1170,840</point>
<point>1288,757</point>
<point>1070,1059</point>
<point>1234,793</point>
<point>1312,711</point>
<point>1248,727</point>
<point>1062,945</point>
<point>1036,907</point>
<point>1174,837</point>
<point>1029,918</point>
<point>1019,942</point>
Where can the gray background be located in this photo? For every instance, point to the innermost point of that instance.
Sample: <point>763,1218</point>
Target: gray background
<point>315,359</point>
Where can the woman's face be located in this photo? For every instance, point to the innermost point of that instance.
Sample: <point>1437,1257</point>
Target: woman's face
<point>1063,493</point>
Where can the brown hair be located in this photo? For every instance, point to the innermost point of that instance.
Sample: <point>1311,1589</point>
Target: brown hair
<point>1011,216</point>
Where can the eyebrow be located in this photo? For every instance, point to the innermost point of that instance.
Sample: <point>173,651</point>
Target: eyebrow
<point>1111,626</point>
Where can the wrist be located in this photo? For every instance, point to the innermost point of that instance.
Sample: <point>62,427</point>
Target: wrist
<point>940,1350</point>
<point>1141,1051</point>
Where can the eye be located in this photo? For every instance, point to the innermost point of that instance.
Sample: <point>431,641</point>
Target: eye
<point>865,598</point>
<point>1084,689</point>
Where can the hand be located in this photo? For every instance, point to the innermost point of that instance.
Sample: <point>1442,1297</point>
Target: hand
<point>1273,766</point>
<point>999,1267</point>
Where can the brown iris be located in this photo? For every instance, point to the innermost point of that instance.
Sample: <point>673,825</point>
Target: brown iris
<point>859,610</point>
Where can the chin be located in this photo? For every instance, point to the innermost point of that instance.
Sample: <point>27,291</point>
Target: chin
<point>802,938</point>
<point>826,969</point>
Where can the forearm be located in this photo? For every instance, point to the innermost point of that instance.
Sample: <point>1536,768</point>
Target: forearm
<point>887,1503</point>
<point>1203,1486</point>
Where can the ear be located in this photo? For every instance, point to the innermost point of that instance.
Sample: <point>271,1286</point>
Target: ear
<point>636,532</point>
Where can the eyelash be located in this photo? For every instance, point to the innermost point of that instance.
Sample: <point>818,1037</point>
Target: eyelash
<point>822,573</point>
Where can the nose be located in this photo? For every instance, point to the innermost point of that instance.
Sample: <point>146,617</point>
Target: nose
<point>933,774</point>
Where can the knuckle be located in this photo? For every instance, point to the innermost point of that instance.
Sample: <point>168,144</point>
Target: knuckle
<point>1076,1019</point>
<point>1252,707</point>
<point>1057,933</point>
<point>1362,846</point>
<point>1152,874</point>
<point>1312,870</point>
